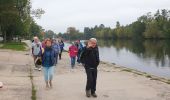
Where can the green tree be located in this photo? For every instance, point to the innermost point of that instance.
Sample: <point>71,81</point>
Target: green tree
<point>15,19</point>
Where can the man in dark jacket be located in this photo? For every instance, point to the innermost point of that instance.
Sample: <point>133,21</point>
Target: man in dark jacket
<point>90,60</point>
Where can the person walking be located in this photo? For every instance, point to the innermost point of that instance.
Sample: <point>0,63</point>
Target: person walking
<point>90,60</point>
<point>48,62</point>
<point>61,43</point>
<point>73,53</point>
<point>80,47</point>
<point>56,47</point>
<point>36,52</point>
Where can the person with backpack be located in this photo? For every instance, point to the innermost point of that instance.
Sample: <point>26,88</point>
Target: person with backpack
<point>90,59</point>
<point>36,52</point>
<point>48,63</point>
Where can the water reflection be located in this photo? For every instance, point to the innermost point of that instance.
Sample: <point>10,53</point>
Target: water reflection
<point>149,56</point>
<point>158,50</point>
<point>138,53</point>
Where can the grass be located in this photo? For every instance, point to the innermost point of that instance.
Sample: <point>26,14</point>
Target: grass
<point>148,76</point>
<point>168,82</point>
<point>33,96</point>
<point>14,46</point>
<point>127,70</point>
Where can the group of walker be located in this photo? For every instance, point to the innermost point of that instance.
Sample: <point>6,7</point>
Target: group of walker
<point>46,54</point>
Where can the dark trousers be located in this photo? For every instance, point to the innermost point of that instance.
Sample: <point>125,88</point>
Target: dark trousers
<point>35,57</point>
<point>78,56</point>
<point>56,59</point>
<point>60,54</point>
<point>91,79</point>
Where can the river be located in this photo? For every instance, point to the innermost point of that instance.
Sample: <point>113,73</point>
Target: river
<point>151,56</point>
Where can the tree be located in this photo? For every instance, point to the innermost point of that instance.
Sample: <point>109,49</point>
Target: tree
<point>152,31</point>
<point>137,29</point>
<point>15,19</point>
<point>50,34</point>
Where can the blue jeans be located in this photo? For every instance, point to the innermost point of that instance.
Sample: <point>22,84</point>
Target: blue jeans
<point>48,73</point>
<point>73,61</point>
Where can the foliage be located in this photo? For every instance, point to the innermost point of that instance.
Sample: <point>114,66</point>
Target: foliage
<point>16,19</point>
<point>149,26</point>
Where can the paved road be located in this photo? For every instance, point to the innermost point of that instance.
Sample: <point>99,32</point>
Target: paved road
<point>14,72</point>
<point>112,84</point>
<point>69,84</point>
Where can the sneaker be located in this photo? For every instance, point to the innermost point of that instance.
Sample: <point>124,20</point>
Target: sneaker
<point>36,68</point>
<point>39,69</point>
<point>94,95</point>
<point>1,85</point>
<point>88,93</point>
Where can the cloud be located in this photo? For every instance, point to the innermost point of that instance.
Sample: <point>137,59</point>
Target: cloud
<point>61,14</point>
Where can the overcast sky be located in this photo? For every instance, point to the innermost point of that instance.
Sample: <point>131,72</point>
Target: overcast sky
<point>60,14</point>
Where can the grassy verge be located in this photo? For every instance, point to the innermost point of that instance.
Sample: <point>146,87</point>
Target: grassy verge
<point>33,97</point>
<point>14,46</point>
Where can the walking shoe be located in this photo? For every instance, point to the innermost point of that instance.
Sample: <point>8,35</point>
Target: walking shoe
<point>88,93</point>
<point>94,95</point>
<point>39,69</point>
<point>35,68</point>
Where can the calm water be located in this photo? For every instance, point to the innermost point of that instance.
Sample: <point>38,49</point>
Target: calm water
<point>148,56</point>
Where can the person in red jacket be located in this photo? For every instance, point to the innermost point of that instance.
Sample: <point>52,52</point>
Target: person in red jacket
<point>73,53</point>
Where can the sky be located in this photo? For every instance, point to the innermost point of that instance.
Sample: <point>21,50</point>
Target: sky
<point>61,14</point>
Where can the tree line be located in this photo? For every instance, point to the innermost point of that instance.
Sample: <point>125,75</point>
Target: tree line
<point>17,19</point>
<point>148,26</point>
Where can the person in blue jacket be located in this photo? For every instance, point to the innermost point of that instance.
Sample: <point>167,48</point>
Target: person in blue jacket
<point>48,62</point>
<point>56,47</point>
<point>61,43</point>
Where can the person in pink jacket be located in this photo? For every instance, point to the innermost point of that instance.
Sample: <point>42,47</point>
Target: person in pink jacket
<point>73,53</point>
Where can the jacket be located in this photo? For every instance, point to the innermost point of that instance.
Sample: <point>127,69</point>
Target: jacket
<point>61,45</point>
<point>52,57</point>
<point>56,47</point>
<point>73,51</point>
<point>90,57</point>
